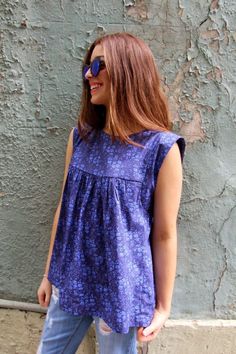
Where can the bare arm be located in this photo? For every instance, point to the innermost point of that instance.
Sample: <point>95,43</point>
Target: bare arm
<point>44,291</point>
<point>164,240</point>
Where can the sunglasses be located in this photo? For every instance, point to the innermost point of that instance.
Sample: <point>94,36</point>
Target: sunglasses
<point>95,67</point>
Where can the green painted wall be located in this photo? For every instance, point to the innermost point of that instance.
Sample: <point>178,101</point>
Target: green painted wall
<point>42,44</point>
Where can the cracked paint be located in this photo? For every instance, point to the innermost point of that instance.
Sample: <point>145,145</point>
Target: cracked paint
<point>193,131</point>
<point>214,5</point>
<point>129,2</point>
<point>228,269</point>
<point>221,275</point>
<point>138,9</point>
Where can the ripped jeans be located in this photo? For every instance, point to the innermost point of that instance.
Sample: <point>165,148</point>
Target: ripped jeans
<point>63,333</point>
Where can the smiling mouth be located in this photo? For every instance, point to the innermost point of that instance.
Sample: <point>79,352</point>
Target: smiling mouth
<point>94,88</point>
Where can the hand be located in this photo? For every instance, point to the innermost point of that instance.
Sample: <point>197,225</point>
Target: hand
<point>44,292</point>
<point>149,333</point>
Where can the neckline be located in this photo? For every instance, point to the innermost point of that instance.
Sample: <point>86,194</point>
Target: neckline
<point>116,136</point>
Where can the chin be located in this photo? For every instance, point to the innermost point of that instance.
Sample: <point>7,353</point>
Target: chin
<point>97,101</point>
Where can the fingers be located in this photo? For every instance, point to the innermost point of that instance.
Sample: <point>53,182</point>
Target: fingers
<point>44,299</point>
<point>146,338</point>
<point>44,294</point>
<point>47,297</point>
<point>41,298</point>
<point>148,330</point>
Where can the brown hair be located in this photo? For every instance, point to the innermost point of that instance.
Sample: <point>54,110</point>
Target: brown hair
<point>137,100</point>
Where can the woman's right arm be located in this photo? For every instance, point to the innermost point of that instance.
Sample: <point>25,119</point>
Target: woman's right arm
<point>45,288</point>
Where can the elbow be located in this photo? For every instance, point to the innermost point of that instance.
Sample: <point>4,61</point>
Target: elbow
<point>165,235</point>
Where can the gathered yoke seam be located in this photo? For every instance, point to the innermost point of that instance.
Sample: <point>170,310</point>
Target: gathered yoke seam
<point>103,176</point>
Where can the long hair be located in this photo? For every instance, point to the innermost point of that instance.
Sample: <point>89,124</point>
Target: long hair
<point>137,100</point>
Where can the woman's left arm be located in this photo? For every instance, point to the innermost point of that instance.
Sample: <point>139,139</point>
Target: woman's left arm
<point>164,238</point>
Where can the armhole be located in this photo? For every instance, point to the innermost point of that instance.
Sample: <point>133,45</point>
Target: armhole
<point>163,149</point>
<point>181,144</point>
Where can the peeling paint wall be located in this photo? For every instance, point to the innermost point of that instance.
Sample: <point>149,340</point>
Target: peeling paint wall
<point>42,44</point>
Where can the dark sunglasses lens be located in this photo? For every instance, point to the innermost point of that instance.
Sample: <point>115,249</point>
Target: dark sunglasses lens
<point>95,67</point>
<point>85,70</point>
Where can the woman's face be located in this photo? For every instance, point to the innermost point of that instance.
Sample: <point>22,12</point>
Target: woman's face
<point>99,85</point>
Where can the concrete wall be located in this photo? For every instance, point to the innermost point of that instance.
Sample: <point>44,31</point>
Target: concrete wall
<point>42,46</point>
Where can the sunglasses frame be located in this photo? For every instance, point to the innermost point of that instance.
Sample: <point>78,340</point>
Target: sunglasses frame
<point>95,67</point>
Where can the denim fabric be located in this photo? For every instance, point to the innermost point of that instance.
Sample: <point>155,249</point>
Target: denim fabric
<point>63,333</point>
<point>102,258</point>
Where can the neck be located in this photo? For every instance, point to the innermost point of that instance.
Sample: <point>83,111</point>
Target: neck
<point>106,129</point>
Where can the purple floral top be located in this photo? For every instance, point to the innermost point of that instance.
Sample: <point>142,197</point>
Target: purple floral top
<point>102,260</point>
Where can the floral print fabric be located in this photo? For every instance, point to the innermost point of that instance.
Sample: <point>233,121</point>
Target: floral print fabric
<point>102,260</point>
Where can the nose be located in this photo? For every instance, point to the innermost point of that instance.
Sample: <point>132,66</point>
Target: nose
<point>88,74</point>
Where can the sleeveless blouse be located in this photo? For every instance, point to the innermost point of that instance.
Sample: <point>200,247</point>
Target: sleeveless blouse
<point>102,258</point>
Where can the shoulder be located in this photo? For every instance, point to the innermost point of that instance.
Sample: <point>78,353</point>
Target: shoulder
<point>75,136</point>
<point>74,131</point>
<point>167,139</point>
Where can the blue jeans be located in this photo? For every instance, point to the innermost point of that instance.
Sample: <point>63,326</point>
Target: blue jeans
<point>63,333</point>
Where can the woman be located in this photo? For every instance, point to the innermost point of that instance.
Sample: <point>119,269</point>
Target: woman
<point>112,255</point>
